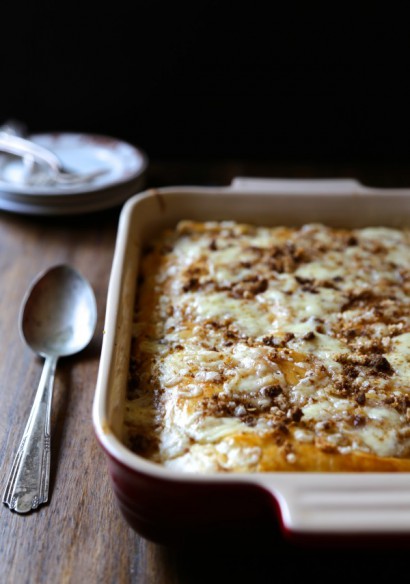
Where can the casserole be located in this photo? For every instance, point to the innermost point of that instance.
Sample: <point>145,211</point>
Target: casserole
<point>162,503</point>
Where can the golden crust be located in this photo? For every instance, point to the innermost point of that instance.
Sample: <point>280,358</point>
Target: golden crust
<point>307,457</point>
<point>263,349</point>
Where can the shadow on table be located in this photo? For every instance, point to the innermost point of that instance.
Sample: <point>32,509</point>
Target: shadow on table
<point>264,555</point>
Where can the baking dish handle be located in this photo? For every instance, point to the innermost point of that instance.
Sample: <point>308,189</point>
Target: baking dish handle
<point>298,186</point>
<point>342,504</point>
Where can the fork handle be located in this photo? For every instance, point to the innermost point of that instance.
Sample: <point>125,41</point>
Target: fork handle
<point>14,127</point>
<point>14,144</point>
<point>28,482</point>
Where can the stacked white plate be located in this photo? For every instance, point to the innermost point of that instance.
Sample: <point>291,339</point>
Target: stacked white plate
<point>123,169</point>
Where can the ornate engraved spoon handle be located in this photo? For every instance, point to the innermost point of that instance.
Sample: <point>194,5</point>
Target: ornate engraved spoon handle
<point>27,485</point>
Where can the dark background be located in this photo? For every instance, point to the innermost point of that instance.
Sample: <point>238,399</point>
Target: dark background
<point>309,83</point>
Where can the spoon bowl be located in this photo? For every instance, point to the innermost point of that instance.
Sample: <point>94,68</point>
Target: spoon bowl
<point>58,318</point>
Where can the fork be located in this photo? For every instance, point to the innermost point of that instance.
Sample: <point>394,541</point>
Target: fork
<point>12,143</point>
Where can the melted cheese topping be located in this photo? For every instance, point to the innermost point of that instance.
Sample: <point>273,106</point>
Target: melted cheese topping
<point>260,349</point>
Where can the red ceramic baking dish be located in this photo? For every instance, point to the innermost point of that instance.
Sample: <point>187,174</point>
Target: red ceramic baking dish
<point>163,505</point>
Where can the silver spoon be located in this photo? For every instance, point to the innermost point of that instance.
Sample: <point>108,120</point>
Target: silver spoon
<point>58,318</point>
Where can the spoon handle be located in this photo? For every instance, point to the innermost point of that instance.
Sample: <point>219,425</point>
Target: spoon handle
<point>27,485</point>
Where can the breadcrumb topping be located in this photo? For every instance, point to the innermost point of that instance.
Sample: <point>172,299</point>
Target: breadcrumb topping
<point>271,348</point>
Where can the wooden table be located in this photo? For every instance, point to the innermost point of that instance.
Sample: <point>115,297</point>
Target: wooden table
<point>80,536</point>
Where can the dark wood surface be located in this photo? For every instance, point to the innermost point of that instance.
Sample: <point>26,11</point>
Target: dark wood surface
<point>80,535</point>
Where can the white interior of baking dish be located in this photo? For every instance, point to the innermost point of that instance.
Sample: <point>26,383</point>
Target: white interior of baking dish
<point>310,503</point>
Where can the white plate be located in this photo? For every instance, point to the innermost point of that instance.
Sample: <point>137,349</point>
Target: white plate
<point>17,203</point>
<point>122,162</point>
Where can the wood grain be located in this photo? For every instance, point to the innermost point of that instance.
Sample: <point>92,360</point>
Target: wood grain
<point>80,535</point>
